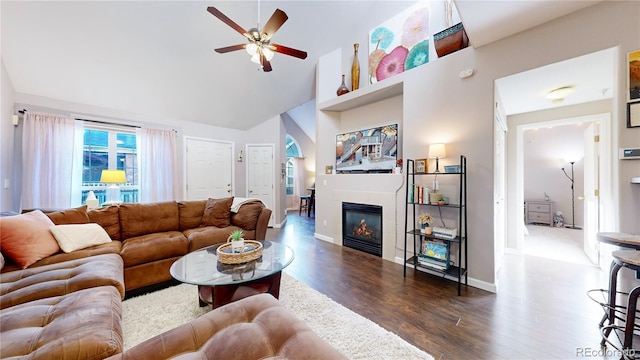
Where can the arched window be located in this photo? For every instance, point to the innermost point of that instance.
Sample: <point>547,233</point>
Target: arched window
<point>293,150</point>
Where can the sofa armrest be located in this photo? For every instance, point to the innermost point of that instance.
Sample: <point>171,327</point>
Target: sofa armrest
<point>262,223</point>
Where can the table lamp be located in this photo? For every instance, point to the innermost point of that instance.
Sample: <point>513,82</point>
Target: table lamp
<point>113,177</point>
<point>437,151</point>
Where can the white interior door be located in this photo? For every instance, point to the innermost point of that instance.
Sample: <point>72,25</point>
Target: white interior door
<point>591,190</point>
<point>260,175</point>
<point>209,170</point>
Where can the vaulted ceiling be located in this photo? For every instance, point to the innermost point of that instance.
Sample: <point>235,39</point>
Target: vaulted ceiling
<point>156,57</point>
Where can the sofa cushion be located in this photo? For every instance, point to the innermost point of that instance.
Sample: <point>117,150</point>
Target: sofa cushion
<point>247,215</point>
<point>256,327</point>
<point>18,287</point>
<point>26,238</point>
<point>108,218</point>
<point>82,325</point>
<point>142,219</point>
<point>112,247</point>
<point>79,236</point>
<point>70,216</point>
<point>210,235</point>
<point>191,213</point>
<point>217,212</point>
<point>152,247</point>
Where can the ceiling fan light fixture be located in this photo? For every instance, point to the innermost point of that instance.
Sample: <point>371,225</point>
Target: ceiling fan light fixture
<point>268,54</point>
<point>561,92</point>
<point>256,58</point>
<point>252,49</point>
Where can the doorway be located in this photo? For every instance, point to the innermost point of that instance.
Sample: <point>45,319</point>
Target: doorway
<point>260,175</point>
<point>209,169</point>
<point>515,94</point>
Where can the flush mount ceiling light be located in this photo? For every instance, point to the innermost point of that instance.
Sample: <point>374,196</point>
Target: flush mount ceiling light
<point>557,95</point>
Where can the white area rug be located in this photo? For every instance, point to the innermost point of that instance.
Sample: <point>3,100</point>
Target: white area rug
<point>353,335</point>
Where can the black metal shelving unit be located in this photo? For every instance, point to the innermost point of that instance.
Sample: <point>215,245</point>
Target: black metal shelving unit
<point>459,243</point>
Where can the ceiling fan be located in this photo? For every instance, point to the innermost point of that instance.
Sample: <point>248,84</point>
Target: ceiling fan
<point>259,46</point>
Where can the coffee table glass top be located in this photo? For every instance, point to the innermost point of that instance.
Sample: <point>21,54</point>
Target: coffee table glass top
<point>201,267</point>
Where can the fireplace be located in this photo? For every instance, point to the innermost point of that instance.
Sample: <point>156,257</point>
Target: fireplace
<point>362,227</point>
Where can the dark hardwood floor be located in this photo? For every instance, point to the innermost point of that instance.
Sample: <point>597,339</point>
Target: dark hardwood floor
<point>541,310</point>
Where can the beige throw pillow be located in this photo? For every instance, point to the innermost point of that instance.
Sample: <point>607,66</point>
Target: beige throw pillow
<point>79,236</point>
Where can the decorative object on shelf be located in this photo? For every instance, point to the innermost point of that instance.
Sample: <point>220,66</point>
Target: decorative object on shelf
<point>421,166</point>
<point>400,43</point>
<point>343,87</point>
<point>437,151</point>
<point>451,40</point>
<point>573,207</point>
<point>454,37</point>
<point>425,220</point>
<point>435,198</point>
<point>113,177</point>
<point>633,114</point>
<point>633,79</point>
<point>452,169</point>
<point>355,69</point>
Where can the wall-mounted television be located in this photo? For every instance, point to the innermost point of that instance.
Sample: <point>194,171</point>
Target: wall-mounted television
<point>367,151</point>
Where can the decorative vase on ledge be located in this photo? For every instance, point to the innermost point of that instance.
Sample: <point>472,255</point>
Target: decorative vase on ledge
<point>450,40</point>
<point>343,88</point>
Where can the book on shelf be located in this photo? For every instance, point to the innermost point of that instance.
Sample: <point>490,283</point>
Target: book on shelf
<point>433,262</point>
<point>445,233</point>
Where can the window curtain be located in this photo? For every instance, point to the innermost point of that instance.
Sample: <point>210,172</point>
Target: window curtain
<point>51,161</point>
<point>157,165</point>
<point>299,179</point>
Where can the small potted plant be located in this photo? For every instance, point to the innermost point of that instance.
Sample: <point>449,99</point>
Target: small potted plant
<point>237,240</point>
<point>425,220</point>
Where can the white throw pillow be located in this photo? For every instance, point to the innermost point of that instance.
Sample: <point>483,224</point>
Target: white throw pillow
<point>79,236</point>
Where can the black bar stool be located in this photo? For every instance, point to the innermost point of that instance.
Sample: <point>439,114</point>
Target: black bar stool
<point>613,311</point>
<point>305,203</point>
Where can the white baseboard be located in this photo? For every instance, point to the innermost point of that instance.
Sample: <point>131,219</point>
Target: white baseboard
<point>281,225</point>
<point>483,285</point>
<point>323,238</point>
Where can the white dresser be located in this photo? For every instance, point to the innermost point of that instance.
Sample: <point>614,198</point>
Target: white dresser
<point>539,212</point>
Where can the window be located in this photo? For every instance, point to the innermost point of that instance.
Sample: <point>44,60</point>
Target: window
<point>109,148</point>
<point>293,150</point>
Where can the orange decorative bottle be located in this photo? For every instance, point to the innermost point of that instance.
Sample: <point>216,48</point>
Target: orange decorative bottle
<point>355,69</point>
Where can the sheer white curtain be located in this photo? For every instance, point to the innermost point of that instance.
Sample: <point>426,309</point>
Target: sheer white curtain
<point>51,161</point>
<point>299,179</point>
<point>157,165</point>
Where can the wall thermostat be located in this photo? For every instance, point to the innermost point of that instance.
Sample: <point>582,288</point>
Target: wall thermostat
<point>630,154</point>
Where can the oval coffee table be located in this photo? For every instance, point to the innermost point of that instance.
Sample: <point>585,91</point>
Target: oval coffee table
<point>220,284</point>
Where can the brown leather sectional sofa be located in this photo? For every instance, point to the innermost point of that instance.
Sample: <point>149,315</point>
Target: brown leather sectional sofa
<point>69,305</point>
<point>151,237</point>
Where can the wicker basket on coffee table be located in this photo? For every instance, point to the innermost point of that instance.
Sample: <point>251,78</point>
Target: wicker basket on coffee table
<point>239,257</point>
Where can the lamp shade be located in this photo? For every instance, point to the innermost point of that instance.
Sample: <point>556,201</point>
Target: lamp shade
<point>437,151</point>
<point>113,177</point>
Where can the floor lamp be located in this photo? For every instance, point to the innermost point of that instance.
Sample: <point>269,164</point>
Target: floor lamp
<point>573,206</point>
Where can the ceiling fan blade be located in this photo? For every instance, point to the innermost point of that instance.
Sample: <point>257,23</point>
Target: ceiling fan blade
<point>266,65</point>
<point>231,48</point>
<point>274,23</point>
<point>217,13</point>
<point>288,51</point>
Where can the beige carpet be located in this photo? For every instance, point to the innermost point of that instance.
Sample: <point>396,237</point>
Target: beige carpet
<point>353,335</point>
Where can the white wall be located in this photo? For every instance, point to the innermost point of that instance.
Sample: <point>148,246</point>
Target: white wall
<point>7,98</point>
<point>438,106</point>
